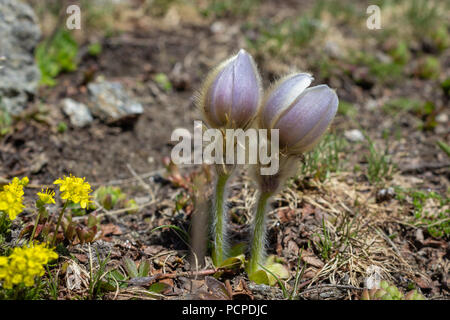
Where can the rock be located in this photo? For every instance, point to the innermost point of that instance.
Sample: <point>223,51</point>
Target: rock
<point>78,113</point>
<point>19,35</point>
<point>383,58</point>
<point>265,292</point>
<point>354,135</point>
<point>218,27</point>
<point>112,104</point>
<point>373,279</point>
<point>419,235</point>
<point>333,49</point>
<point>385,195</point>
<point>442,118</point>
<point>372,104</point>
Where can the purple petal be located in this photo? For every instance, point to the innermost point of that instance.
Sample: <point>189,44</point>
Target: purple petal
<point>234,95</point>
<point>220,98</point>
<point>246,90</point>
<point>283,96</point>
<point>306,121</point>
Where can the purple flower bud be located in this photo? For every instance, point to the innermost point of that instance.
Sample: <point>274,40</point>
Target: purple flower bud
<point>302,115</point>
<point>231,93</point>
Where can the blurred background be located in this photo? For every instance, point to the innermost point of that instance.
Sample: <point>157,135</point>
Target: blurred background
<point>101,101</point>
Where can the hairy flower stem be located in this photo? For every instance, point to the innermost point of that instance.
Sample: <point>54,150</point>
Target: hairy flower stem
<point>59,222</point>
<point>220,219</point>
<point>258,250</point>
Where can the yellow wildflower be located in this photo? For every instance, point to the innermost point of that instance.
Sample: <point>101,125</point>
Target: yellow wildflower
<point>46,196</point>
<point>25,264</point>
<point>11,197</point>
<point>74,189</point>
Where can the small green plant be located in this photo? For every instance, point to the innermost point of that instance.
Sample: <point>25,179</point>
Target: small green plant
<point>379,165</point>
<point>400,53</point>
<point>159,8</point>
<point>383,71</point>
<point>5,120</point>
<point>222,8</point>
<point>325,158</point>
<point>441,38</point>
<point>55,55</point>
<point>389,291</point>
<point>429,68</point>
<point>445,85</point>
<point>324,245</point>
<point>402,104</point>
<point>437,219</point>
<point>62,127</point>
<point>163,81</point>
<point>95,49</point>
<point>52,283</point>
<point>111,197</point>
<point>444,147</point>
<point>131,274</point>
<point>422,15</point>
<point>298,276</point>
<point>290,34</point>
<point>347,109</point>
<point>96,276</point>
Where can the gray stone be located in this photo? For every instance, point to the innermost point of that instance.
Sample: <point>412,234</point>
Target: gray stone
<point>19,35</point>
<point>385,194</point>
<point>78,113</point>
<point>442,118</point>
<point>333,49</point>
<point>111,103</point>
<point>354,135</point>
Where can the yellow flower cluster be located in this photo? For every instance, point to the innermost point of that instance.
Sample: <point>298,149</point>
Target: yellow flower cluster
<point>74,189</point>
<point>11,197</point>
<point>46,196</point>
<point>24,264</point>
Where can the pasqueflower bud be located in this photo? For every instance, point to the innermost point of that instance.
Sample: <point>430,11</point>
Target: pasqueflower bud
<point>301,114</point>
<point>231,93</point>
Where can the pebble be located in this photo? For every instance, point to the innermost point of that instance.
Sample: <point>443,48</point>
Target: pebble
<point>385,194</point>
<point>110,102</point>
<point>354,135</point>
<point>78,113</point>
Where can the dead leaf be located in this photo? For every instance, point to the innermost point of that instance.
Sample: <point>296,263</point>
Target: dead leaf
<point>152,250</point>
<point>241,292</point>
<point>285,215</point>
<point>217,288</point>
<point>435,243</point>
<point>423,283</point>
<point>311,259</point>
<point>307,211</point>
<point>110,228</point>
<point>81,257</point>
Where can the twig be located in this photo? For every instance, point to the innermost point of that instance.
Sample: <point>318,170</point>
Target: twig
<point>338,286</point>
<point>141,181</point>
<point>436,222</point>
<point>110,213</point>
<point>388,240</point>
<point>160,276</point>
<point>424,167</point>
<point>128,180</point>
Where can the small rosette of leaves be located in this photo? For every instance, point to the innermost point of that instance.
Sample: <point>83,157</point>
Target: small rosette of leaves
<point>113,198</point>
<point>388,291</point>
